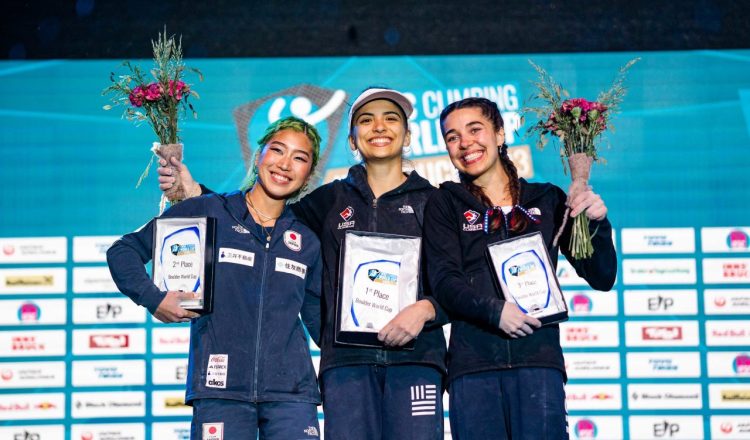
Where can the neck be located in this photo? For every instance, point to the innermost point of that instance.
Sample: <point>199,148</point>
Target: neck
<point>383,176</point>
<point>494,183</point>
<point>267,209</point>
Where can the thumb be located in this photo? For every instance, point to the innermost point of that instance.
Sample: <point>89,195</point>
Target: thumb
<point>533,321</point>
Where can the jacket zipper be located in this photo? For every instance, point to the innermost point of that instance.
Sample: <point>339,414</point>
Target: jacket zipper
<point>260,320</point>
<point>382,354</point>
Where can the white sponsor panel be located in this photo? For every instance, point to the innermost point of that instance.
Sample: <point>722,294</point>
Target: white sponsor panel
<point>726,270</point>
<point>33,311</point>
<point>728,333</point>
<point>665,396</point>
<point>169,371</point>
<point>659,271</point>
<point>734,427</point>
<point>658,241</point>
<point>664,364</point>
<point>593,397</point>
<point>729,395</point>
<point>30,406</point>
<point>171,430</point>
<point>93,280</point>
<point>119,431</point>
<point>170,340</point>
<point>567,276</point>
<point>589,334</point>
<point>732,239</point>
<point>107,311</point>
<point>107,373</point>
<point>33,250</point>
<point>591,302</point>
<point>728,363</point>
<point>661,302</point>
<point>109,341</point>
<point>170,403</point>
<point>33,432</point>
<point>595,427</point>
<point>32,374</point>
<point>661,333</point>
<point>726,301</point>
<point>588,366</point>
<point>32,343</point>
<point>108,404</point>
<point>669,427</point>
<point>41,280</point>
<point>92,249</point>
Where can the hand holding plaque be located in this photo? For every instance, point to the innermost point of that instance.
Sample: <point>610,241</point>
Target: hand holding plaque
<point>525,275</point>
<point>379,277</point>
<point>183,259</point>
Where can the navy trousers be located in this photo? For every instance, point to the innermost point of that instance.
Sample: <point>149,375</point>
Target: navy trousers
<point>515,404</point>
<point>369,402</point>
<point>223,419</point>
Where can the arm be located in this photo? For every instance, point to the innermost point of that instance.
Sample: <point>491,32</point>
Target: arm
<point>600,271</point>
<point>311,304</point>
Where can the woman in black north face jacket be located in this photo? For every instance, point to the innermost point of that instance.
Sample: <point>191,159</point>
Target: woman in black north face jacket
<point>506,371</point>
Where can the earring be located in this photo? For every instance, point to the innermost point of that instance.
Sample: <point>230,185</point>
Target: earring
<point>357,155</point>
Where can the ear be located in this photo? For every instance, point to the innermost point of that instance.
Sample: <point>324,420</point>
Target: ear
<point>352,144</point>
<point>500,136</point>
<point>407,139</point>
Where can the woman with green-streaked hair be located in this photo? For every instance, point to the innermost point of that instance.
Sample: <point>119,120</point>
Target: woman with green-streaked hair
<point>250,370</point>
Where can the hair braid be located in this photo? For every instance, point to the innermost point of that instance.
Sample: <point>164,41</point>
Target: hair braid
<point>518,222</point>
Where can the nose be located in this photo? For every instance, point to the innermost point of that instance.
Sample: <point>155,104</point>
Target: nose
<point>285,163</point>
<point>465,142</point>
<point>378,125</point>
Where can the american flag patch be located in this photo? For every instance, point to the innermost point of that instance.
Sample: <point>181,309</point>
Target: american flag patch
<point>423,400</point>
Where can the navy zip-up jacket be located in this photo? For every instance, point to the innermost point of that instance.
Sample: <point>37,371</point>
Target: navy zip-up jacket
<point>461,278</point>
<point>257,301</point>
<point>349,204</point>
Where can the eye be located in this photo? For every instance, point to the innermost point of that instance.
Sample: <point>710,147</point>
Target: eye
<point>475,130</point>
<point>302,159</point>
<point>364,120</point>
<point>451,138</point>
<point>393,118</point>
<point>276,149</point>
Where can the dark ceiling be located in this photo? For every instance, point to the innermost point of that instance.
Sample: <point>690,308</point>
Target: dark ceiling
<point>231,28</point>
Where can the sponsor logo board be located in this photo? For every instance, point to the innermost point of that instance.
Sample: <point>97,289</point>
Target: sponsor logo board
<point>593,397</point>
<point>30,312</point>
<point>665,396</point>
<point>170,340</point>
<point>107,373</point>
<point>170,403</point>
<point>661,333</point>
<point>666,427</point>
<point>595,427</point>
<point>41,280</point>
<point>32,406</point>
<point>729,395</point>
<point>586,366</point>
<point>567,276</point>
<point>726,301</point>
<point>728,363</point>
<point>732,239</point>
<point>591,303</point>
<point>658,240</point>
<point>661,302</point>
<point>733,427</point>
<point>92,249</point>
<point>589,334</point>
<point>32,374</point>
<point>659,271</point>
<point>120,431</point>
<point>726,270</point>
<point>169,371</point>
<point>33,432</point>
<point>108,404</point>
<point>109,341</point>
<point>663,364</point>
<point>107,310</point>
<point>727,333</point>
<point>93,280</point>
<point>32,343</point>
<point>33,250</point>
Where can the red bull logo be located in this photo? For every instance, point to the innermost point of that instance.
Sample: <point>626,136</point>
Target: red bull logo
<point>585,428</point>
<point>737,239</point>
<point>581,303</point>
<point>742,364</point>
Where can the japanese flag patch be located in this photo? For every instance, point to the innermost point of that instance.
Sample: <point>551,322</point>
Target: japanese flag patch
<point>293,240</point>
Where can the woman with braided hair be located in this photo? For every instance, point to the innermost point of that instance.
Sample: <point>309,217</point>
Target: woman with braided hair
<point>506,370</point>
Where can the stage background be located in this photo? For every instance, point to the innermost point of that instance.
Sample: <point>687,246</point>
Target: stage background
<point>663,355</point>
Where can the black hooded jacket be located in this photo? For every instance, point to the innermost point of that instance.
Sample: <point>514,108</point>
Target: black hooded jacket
<point>461,278</point>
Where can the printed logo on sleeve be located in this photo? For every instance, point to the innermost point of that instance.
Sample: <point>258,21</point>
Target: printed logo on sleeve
<point>217,371</point>
<point>291,267</point>
<point>347,214</point>
<point>236,256</point>
<point>213,431</point>
<point>293,240</point>
<point>471,217</point>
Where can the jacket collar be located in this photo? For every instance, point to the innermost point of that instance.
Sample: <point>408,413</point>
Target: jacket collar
<point>235,204</point>
<point>529,193</point>
<point>357,179</point>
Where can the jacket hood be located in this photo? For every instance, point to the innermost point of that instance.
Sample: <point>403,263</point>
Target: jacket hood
<point>357,179</point>
<point>529,193</point>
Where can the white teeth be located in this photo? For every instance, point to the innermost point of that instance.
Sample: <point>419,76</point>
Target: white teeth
<point>279,178</point>
<point>472,156</point>
<point>380,141</point>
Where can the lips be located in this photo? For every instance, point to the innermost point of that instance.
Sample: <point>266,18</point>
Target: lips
<point>280,179</point>
<point>380,141</point>
<point>472,157</point>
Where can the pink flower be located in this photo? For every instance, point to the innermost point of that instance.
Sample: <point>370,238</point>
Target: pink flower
<point>153,92</point>
<point>136,96</point>
<point>177,89</point>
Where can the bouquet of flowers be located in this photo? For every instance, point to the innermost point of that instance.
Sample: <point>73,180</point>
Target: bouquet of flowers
<point>575,124</point>
<point>159,98</point>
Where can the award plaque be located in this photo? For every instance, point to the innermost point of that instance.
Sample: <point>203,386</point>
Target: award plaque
<point>183,259</point>
<point>378,277</point>
<point>525,275</point>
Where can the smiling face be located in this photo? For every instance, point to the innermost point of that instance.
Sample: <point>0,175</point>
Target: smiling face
<point>285,164</point>
<point>473,143</point>
<point>379,131</point>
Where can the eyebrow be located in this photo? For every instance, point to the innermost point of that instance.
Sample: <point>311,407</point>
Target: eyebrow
<point>294,149</point>
<point>470,124</point>
<point>389,112</point>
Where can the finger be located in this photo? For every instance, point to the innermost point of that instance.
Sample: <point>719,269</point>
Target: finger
<point>530,320</point>
<point>527,330</point>
<point>164,171</point>
<point>162,162</point>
